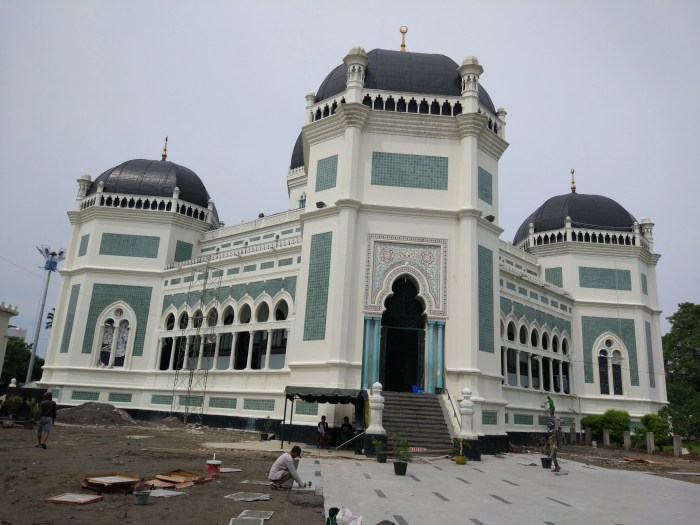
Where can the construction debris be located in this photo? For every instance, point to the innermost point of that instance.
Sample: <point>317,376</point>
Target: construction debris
<point>179,476</point>
<point>73,498</point>
<point>249,496</point>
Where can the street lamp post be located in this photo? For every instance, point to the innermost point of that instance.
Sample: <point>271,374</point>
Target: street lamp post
<point>52,259</point>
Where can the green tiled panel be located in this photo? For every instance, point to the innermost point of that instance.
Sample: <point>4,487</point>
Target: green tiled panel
<point>544,299</point>
<point>563,307</point>
<point>486,314</point>
<point>188,279</point>
<point>645,290</point>
<point>534,296</point>
<point>650,354</point>
<point>542,420</point>
<point>326,173</point>
<point>236,292</point>
<point>522,419</point>
<point>226,245</point>
<point>129,245</point>
<point>555,304</point>
<point>175,281</point>
<point>137,297</point>
<point>233,271</point>
<point>285,262</point>
<point>306,409</point>
<point>298,229</point>
<point>409,171</point>
<point>485,186</point>
<point>183,251</point>
<point>70,317</point>
<point>217,273</point>
<point>116,397</point>
<point>298,259</point>
<point>532,314</point>
<point>254,239</point>
<point>268,236</point>
<point>317,289</point>
<point>554,276</point>
<point>208,249</point>
<point>511,286</point>
<point>267,264</point>
<point>223,402</point>
<point>238,243</point>
<point>593,327</point>
<point>250,267</point>
<point>522,291</point>
<point>506,418</point>
<point>202,277</point>
<point>518,266</point>
<point>604,278</point>
<point>489,417</point>
<point>191,401</point>
<point>287,232</point>
<point>567,422</point>
<point>160,399</point>
<point>84,240</point>
<point>531,272</point>
<point>268,405</point>
<point>82,395</point>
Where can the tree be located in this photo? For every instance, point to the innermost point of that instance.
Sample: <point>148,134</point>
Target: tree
<point>682,363</point>
<point>17,358</point>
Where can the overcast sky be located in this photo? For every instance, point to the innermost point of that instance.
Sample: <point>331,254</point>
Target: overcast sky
<point>609,88</point>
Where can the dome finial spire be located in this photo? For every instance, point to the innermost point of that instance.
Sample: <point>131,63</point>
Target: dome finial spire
<point>403,30</point>
<point>573,182</point>
<point>164,154</point>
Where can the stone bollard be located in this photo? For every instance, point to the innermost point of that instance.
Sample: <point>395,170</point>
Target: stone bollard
<point>589,436</point>
<point>650,442</point>
<point>627,441</point>
<point>677,446</point>
<point>572,435</point>
<point>606,437</point>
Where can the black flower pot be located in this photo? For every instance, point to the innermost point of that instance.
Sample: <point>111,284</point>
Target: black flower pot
<point>400,468</point>
<point>381,458</point>
<point>546,462</point>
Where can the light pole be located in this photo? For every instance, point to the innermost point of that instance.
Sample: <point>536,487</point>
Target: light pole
<point>52,260</point>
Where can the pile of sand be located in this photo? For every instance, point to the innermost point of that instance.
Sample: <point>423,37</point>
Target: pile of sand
<point>94,414</point>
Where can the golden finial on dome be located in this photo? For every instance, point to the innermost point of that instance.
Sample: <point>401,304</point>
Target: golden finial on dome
<point>164,154</point>
<point>573,182</point>
<point>403,30</point>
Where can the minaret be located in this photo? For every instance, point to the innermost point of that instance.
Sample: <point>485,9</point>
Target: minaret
<point>470,71</point>
<point>357,61</point>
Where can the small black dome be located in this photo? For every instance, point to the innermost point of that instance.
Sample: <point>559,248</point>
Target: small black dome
<point>585,211</point>
<point>153,178</point>
<point>297,154</point>
<point>421,73</point>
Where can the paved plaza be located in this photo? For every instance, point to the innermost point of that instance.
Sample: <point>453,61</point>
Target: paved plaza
<point>506,489</point>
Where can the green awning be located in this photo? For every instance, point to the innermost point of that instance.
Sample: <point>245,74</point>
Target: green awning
<point>312,394</point>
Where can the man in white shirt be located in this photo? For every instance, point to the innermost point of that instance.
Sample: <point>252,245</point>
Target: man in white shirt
<point>284,469</point>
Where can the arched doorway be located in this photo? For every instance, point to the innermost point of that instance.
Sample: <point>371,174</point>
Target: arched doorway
<point>403,339</point>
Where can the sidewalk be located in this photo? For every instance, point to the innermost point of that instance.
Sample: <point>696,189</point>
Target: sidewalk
<point>506,489</point>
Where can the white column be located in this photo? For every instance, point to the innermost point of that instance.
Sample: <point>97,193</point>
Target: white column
<point>250,349</point>
<point>551,375</point>
<point>529,370</point>
<point>234,340</point>
<point>561,378</point>
<point>376,411</point>
<point>466,409</point>
<point>517,367</point>
<point>267,349</point>
<point>217,343</point>
<point>173,351</point>
<point>200,352</point>
<point>504,352</point>
<point>113,348</point>
<point>159,352</point>
<point>539,372</point>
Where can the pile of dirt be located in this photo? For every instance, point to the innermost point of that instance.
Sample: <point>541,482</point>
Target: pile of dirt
<point>95,414</point>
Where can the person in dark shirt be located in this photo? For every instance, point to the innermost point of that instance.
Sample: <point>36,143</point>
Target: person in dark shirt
<point>47,417</point>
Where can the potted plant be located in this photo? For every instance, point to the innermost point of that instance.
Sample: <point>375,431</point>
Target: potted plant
<point>12,404</point>
<point>402,454</point>
<point>461,446</point>
<point>379,450</point>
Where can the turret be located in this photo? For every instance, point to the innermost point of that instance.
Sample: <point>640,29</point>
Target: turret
<point>357,61</point>
<point>469,71</point>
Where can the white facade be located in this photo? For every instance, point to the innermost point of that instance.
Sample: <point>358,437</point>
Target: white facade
<point>388,266</point>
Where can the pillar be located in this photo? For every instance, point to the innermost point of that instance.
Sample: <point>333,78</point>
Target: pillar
<point>268,348</point>
<point>529,370</point>
<point>173,351</point>
<point>200,352</point>
<point>551,375</point>
<point>466,410</point>
<point>504,364</point>
<point>561,377</point>
<point>431,365</point>
<point>626,440</point>
<point>234,341</point>
<point>606,437</point>
<point>376,411</point>
<point>375,350</point>
<point>677,446</point>
<point>217,343</point>
<point>650,442</point>
<point>517,367</point>
<point>365,354</point>
<point>440,336</point>
<point>250,349</point>
<point>539,373</point>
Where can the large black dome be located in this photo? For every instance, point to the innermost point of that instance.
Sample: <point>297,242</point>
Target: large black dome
<point>297,154</point>
<point>153,178</point>
<point>585,211</point>
<point>421,73</point>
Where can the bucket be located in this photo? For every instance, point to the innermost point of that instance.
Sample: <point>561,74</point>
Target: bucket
<point>594,444</point>
<point>141,496</point>
<point>213,466</point>
<point>546,462</point>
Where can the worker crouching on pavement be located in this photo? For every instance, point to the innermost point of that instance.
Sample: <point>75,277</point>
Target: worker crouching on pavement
<point>284,469</point>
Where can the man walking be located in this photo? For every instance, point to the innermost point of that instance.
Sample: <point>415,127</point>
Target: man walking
<point>47,417</point>
<point>283,469</point>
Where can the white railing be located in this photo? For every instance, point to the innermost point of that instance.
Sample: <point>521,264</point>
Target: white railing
<point>585,235</point>
<point>261,222</point>
<point>141,202</point>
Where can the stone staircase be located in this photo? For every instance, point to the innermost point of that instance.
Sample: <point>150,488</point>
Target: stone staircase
<point>419,419</point>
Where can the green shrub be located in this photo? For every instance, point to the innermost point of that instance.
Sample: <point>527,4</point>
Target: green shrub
<point>659,426</point>
<point>617,421</point>
<point>595,423</point>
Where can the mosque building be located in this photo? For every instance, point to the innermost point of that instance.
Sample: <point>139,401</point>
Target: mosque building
<point>388,266</point>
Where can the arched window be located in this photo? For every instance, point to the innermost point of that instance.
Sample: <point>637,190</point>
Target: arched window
<point>170,322</point>
<point>564,347</point>
<point>197,319</point>
<point>555,344</point>
<point>534,338</point>
<point>545,341</point>
<point>114,328</point>
<point>603,371</point>
<point>263,313</point>
<point>617,372</point>
<point>244,315</point>
<point>184,321</point>
<point>281,311</point>
<point>523,335</point>
<point>212,317</point>
<point>228,316</point>
<point>511,331</point>
<point>302,200</point>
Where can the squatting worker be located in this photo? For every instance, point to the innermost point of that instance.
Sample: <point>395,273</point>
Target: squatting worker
<point>283,469</point>
<point>47,417</point>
